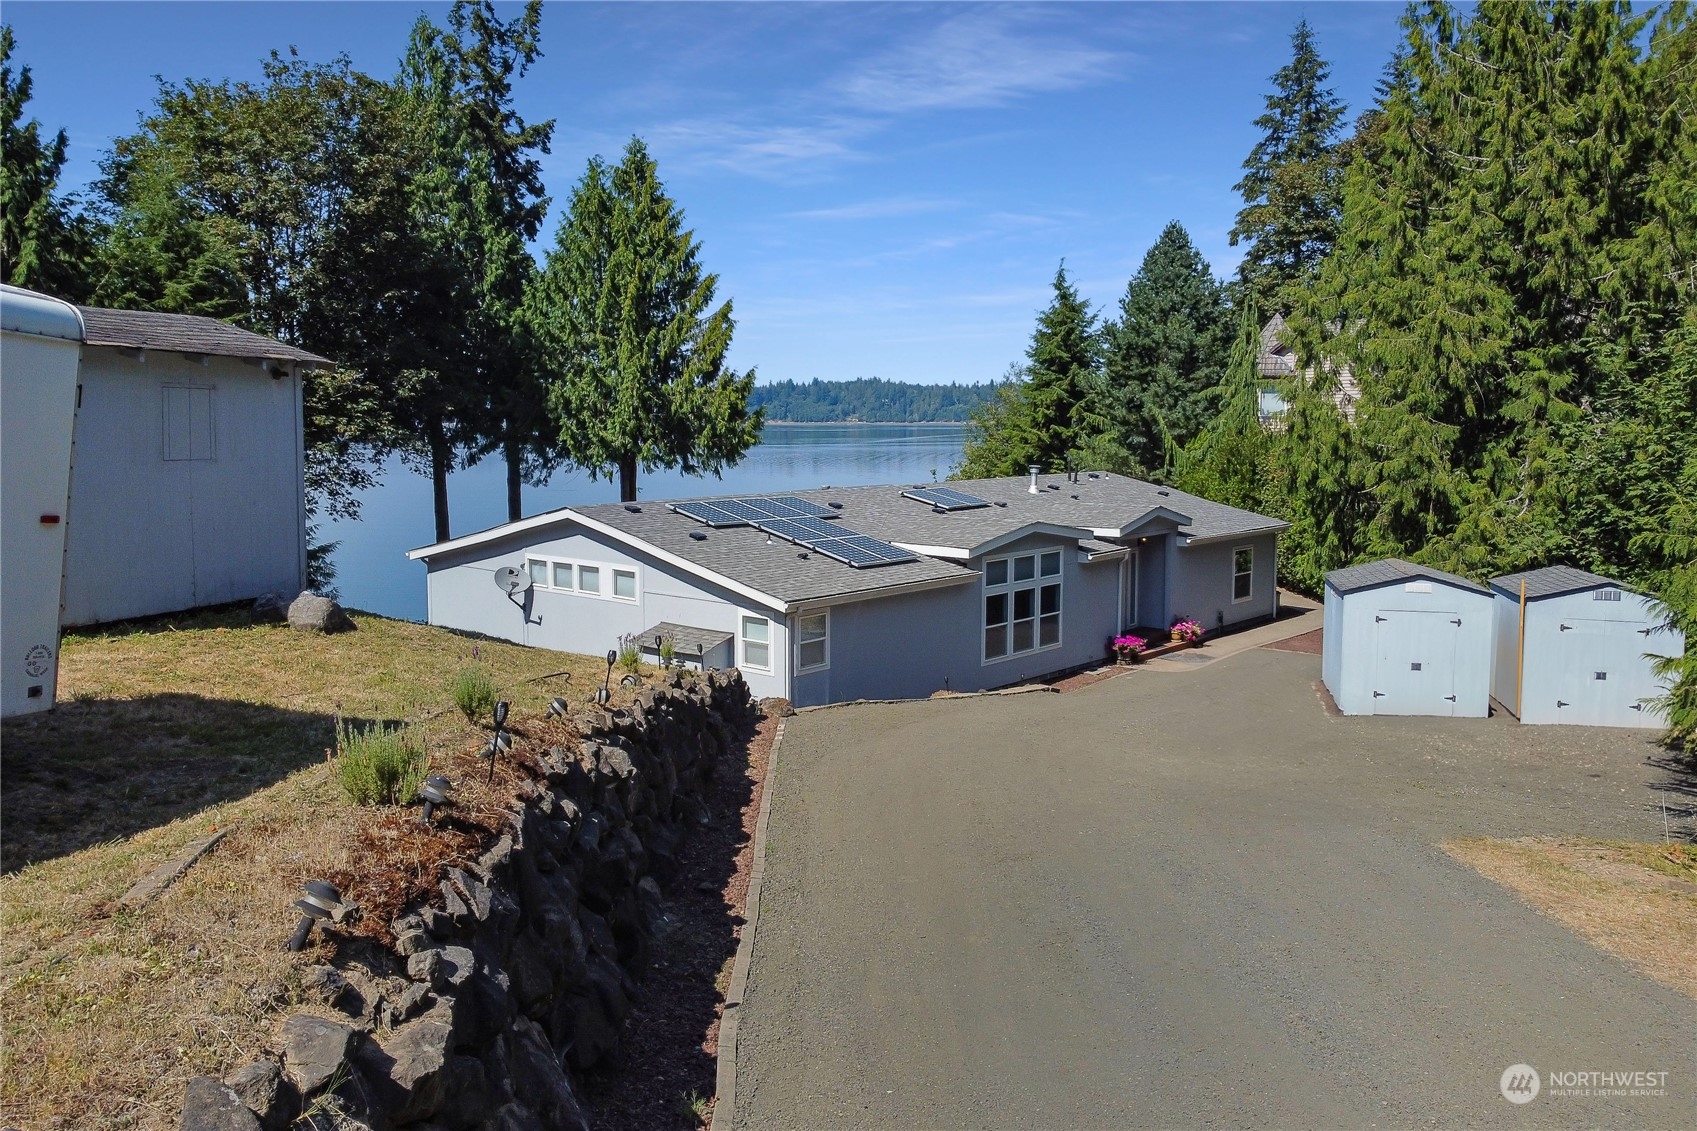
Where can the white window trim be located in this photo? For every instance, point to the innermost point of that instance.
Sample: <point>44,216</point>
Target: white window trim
<point>800,669</point>
<point>1236,550</point>
<point>742,643</point>
<point>606,591</point>
<point>1035,583</point>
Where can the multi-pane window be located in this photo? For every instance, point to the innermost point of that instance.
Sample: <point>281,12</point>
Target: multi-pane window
<point>1243,573</point>
<point>1022,604</point>
<point>812,641</point>
<point>583,578</point>
<point>756,641</point>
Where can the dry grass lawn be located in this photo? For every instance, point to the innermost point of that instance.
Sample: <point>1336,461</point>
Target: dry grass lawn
<point>168,729</point>
<point>1637,901</point>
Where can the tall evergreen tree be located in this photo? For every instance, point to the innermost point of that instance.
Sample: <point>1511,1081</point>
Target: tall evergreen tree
<point>1289,187</point>
<point>483,191</point>
<point>1226,461</point>
<point>1166,350</point>
<point>42,242</point>
<point>628,338</point>
<point>1057,409</point>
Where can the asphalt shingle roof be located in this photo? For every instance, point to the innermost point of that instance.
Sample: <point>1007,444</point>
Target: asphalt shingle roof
<point>184,333</point>
<point>1370,575</point>
<point>1552,581</point>
<point>791,573</point>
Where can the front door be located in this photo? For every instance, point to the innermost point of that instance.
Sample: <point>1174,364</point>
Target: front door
<point>1414,669</point>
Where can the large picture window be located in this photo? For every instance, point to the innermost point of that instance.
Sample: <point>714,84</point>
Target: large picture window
<point>1022,604</point>
<point>813,641</point>
<point>1243,573</point>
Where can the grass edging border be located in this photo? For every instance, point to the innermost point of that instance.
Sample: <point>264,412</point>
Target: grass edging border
<point>725,1085</point>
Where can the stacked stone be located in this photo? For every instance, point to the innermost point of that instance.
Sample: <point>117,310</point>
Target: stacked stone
<point>520,971</point>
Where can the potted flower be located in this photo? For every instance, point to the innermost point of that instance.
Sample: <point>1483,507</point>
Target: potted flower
<point>1186,631</point>
<point>1128,649</point>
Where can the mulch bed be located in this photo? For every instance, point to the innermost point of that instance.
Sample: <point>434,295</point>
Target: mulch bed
<point>669,1053</point>
<point>1308,642</point>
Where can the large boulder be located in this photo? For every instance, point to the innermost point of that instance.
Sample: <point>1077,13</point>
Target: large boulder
<point>209,1105</point>
<point>315,1050</point>
<point>311,613</point>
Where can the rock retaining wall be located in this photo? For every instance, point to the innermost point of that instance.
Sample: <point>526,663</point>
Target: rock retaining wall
<point>519,972</point>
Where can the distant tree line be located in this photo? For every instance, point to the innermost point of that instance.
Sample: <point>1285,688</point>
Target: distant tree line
<point>384,223</point>
<point>1502,254</point>
<point>869,400</point>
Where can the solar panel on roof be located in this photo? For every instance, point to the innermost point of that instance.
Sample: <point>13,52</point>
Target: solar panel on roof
<point>805,531</point>
<point>945,498</point>
<point>861,550</point>
<point>709,513</point>
<point>807,509</point>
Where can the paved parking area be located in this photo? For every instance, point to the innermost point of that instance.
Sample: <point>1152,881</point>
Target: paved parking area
<point>1185,898</point>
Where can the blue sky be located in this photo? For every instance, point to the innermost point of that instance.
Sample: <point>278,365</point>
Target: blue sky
<point>884,190</point>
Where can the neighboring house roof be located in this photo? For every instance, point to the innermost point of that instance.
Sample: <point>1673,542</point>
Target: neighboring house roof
<point>1552,581</point>
<point>1085,511</point>
<point>1371,575</point>
<point>185,333</point>
<point>1275,359</point>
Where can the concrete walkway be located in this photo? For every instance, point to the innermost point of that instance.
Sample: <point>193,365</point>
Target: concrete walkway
<point>1297,615</point>
<point>1164,902</point>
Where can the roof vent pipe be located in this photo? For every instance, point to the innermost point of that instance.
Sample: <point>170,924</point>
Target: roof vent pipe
<point>1034,469</point>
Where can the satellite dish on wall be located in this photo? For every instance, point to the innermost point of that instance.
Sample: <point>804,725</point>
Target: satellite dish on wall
<point>512,580</point>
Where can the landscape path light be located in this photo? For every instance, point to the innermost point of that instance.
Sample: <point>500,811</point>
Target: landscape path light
<point>604,693</point>
<point>558,708</point>
<point>500,742</point>
<point>322,901</point>
<point>436,791</point>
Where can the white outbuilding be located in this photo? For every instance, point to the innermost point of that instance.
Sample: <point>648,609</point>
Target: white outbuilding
<point>1406,639</point>
<point>40,341</point>
<point>1575,647</point>
<point>188,482</point>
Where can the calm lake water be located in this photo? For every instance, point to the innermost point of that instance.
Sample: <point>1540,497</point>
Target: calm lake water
<point>373,573</point>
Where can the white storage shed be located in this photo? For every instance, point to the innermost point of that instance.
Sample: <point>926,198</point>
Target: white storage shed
<point>189,477</point>
<point>1578,648</point>
<point>1406,639</point>
<point>40,343</point>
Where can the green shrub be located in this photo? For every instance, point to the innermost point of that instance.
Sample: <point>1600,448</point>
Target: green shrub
<point>474,693</point>
<point>629,657</point>
<point>380,765</point>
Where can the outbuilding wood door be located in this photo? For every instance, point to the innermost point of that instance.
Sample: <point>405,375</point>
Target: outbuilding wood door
<point>1414,669</point>
<point>1599,673</point>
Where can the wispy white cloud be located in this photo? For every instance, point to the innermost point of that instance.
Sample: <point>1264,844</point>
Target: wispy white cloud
<point>875,209</point>
<point>772,150</point>
<point>981,58</point>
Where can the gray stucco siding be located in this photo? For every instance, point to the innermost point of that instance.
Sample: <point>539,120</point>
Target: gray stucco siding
<point>463,595</point>
<point>1202,582</point>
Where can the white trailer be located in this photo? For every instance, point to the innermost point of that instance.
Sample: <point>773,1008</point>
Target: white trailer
<point>40,352</point>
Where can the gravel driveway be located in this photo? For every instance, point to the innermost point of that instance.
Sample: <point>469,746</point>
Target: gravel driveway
<point>1186,898</point>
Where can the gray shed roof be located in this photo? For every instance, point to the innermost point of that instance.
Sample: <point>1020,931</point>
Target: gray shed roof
<point>1371,575</point>
<point>1552,581</point>
<point>1084,511</point>
<point>687,639</point>
<point>185,333</point>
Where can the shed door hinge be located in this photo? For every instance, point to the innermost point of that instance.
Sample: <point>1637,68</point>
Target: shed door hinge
<point>1378,694</point>
<point>1559,703</point>
<point>1637,706</point>
<point>1451,698</point>
<point>1377,620</point>
<point>1456,622</point>
<point>1567,628</point>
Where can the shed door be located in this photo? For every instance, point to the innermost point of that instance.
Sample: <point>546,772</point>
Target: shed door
<point>1599,672</point>
<point>1414,672</point>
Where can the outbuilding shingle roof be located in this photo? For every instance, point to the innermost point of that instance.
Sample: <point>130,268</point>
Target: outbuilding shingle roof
<point>1552,581</point>
<point>1371,575</point>
<point>185,333</point>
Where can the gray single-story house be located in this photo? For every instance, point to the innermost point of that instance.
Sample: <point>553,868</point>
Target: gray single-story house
<point>188,474</point>
<point>836,594</point>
